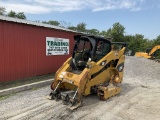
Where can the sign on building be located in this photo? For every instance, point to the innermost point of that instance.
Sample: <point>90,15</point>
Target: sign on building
<point>57,46</point>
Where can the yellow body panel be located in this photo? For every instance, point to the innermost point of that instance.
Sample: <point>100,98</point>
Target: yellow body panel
<point>142,54</point>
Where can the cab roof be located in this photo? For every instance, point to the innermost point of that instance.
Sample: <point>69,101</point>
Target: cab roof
<point>96,38</point>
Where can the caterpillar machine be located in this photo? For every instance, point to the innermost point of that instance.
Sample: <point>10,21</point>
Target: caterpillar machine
<point>95,67</point>
<point>150,53</point>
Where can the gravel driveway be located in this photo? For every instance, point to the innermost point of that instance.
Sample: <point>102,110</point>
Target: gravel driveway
<point>139,99</point>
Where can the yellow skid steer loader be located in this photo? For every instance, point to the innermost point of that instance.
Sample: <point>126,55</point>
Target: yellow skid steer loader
<point>95,67</point>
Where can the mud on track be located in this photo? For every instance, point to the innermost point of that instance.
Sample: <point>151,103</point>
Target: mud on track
<point>139,99</point>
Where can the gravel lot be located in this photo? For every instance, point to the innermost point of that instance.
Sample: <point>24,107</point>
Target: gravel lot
<point>139,99</point>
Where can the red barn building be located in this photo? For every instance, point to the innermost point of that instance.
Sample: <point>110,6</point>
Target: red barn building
<point>23,48</point>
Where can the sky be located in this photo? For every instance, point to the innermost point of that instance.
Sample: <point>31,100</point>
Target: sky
<point>137,16</point>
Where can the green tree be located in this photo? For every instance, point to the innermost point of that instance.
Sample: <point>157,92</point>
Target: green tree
<point>21,15</point>
<point>81,27</point>
<point>52,22</point>
<point>103,33</point>
<point>72,28</point>
<point>93,32</point>
<point>2,10</point>
<point>109,33</point>
<point>131,44</point>
<point>117,32</point>
<point>156,41</point>
<point>12,14</point>
<point>141,43</point>
<point>137,43</point>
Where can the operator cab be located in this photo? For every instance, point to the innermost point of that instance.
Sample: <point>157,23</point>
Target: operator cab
<point>148,50</point>
<point>88,48</point>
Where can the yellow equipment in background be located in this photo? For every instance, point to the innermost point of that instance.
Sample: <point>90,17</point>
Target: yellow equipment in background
<point>150,53</point>
<point>93,68</point>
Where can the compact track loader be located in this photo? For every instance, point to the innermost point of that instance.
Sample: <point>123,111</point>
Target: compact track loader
<point>96,66</point>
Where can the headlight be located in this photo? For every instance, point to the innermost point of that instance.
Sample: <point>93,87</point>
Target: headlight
<point>60,76</point>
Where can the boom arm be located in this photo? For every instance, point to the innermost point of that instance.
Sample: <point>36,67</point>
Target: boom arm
<point>154,49</point>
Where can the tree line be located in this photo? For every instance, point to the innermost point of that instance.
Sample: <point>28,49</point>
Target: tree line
<point>19,15</point>
<point>117,32</point>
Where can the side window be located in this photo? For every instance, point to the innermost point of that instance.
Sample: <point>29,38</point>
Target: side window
<point>106,48</point>
<point>80,46</point>
<point>87,45</point>
<point>102,48</point>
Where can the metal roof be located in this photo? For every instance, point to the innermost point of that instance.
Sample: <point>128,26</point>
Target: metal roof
<point>5,18</point>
